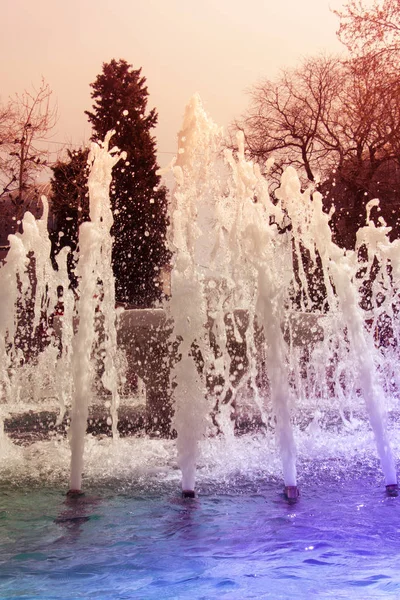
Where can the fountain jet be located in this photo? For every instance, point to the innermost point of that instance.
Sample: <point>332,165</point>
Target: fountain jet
<point>268,317</point>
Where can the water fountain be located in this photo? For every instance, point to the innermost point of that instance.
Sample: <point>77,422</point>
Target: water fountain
<point>269,322</point>
<point>276,357</point>
<point>96,292</point>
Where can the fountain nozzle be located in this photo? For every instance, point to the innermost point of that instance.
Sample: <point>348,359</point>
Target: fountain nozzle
<point>392,489</point>
<point>188,494</point>
<point>75,493</point>
<point>291,493</point>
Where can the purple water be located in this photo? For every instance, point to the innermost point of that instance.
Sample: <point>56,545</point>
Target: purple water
<point>239,539</point>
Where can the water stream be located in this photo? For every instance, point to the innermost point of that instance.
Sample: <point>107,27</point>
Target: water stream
<point>271,330</point>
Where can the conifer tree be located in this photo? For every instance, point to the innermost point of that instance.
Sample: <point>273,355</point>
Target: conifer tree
<point>139,202</point>
<point>70,202</point>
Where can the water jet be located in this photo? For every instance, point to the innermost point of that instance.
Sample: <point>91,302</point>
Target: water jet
<point>276,358</point>
<point>243,338</point>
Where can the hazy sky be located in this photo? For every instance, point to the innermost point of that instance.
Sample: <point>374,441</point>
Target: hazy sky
<point>215,47</point>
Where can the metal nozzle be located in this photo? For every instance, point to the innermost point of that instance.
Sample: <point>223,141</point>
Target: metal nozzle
<point>392,489</point>
<point>291,493</point>
<point>75,493</point>
<point>188,494</point>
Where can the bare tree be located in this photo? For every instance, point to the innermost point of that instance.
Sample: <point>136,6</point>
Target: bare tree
<point>369,122</point>
<point>325,115</point>
<point>371,31</point>
<point>6,137</point>
<point>290,118</point>
<point>338,123</point>
<point>29,119</point>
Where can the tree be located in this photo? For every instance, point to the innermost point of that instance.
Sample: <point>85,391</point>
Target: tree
<point>372,32</point>
<point>139,202</point>
<point>6,138</point>
<point>70,202</point>
<point>338,122</point>
<point>290,119</point>
<point>6,119</point>
<point>29,119</point>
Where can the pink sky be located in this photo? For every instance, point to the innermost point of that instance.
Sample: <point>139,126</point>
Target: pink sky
<point>217,48</point>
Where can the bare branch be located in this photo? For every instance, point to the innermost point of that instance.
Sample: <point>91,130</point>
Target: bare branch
<point>29,118</point>
<point>326,115</point>
<point>371,31</point>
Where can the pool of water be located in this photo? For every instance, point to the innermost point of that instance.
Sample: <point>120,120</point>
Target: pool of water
<point>238,539</point>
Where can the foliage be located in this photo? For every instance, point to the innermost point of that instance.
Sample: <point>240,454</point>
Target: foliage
<point>139,202</point>
<point>70,201</point>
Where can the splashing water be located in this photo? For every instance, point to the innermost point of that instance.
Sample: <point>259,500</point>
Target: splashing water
<point>230,237</point>
<point>271,325</point>
<point>96,292</point>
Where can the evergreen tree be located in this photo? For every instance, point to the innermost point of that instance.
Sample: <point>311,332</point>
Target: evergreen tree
<point>139,202</point>
<point>70,202</point>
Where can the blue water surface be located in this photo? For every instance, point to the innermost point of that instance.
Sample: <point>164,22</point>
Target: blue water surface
<point>237,540</point>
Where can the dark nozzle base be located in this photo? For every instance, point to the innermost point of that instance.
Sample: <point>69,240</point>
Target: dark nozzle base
<point>75,494</point>
<point>392,489</point>
<point>188,494</point>
<point>291,493</point>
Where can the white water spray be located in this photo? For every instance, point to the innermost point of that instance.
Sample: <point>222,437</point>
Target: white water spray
<point>234,237</point>
<point>243,304</point>
<point>95,292</point>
